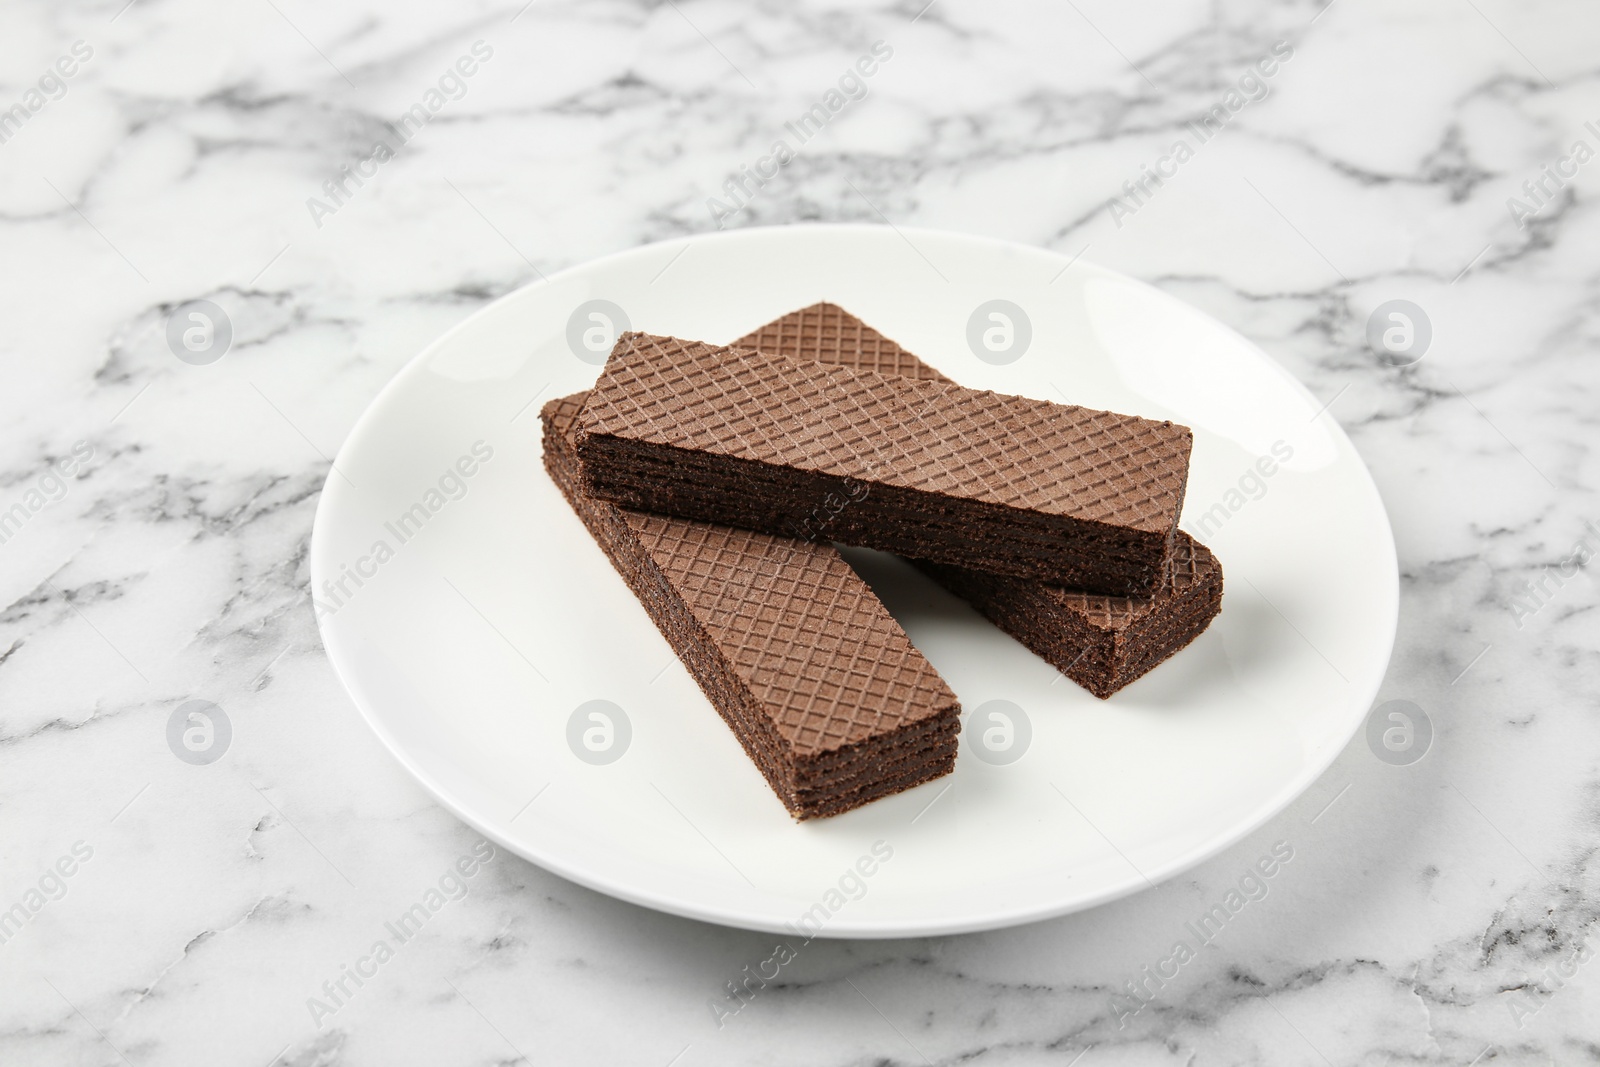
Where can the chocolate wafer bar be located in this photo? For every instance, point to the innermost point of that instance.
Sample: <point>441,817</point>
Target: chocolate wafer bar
<point>929,469</point>
<point>1100,642</point>
<point>810,671</point>
<point>829,334</point>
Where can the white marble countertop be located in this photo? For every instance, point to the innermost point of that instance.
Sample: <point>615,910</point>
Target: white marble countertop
<point>165,151</point>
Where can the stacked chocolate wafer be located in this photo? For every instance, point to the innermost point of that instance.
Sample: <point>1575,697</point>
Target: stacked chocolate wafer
<point>1101,642</point>
<point>718,478</point>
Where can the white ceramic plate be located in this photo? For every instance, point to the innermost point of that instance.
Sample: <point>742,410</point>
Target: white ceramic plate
<point>482,624</point>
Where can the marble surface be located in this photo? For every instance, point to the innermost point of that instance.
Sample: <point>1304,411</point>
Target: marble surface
<point>1440,912</point>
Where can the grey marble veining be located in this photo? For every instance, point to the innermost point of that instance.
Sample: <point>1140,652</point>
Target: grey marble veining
<point>1441,912</point>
